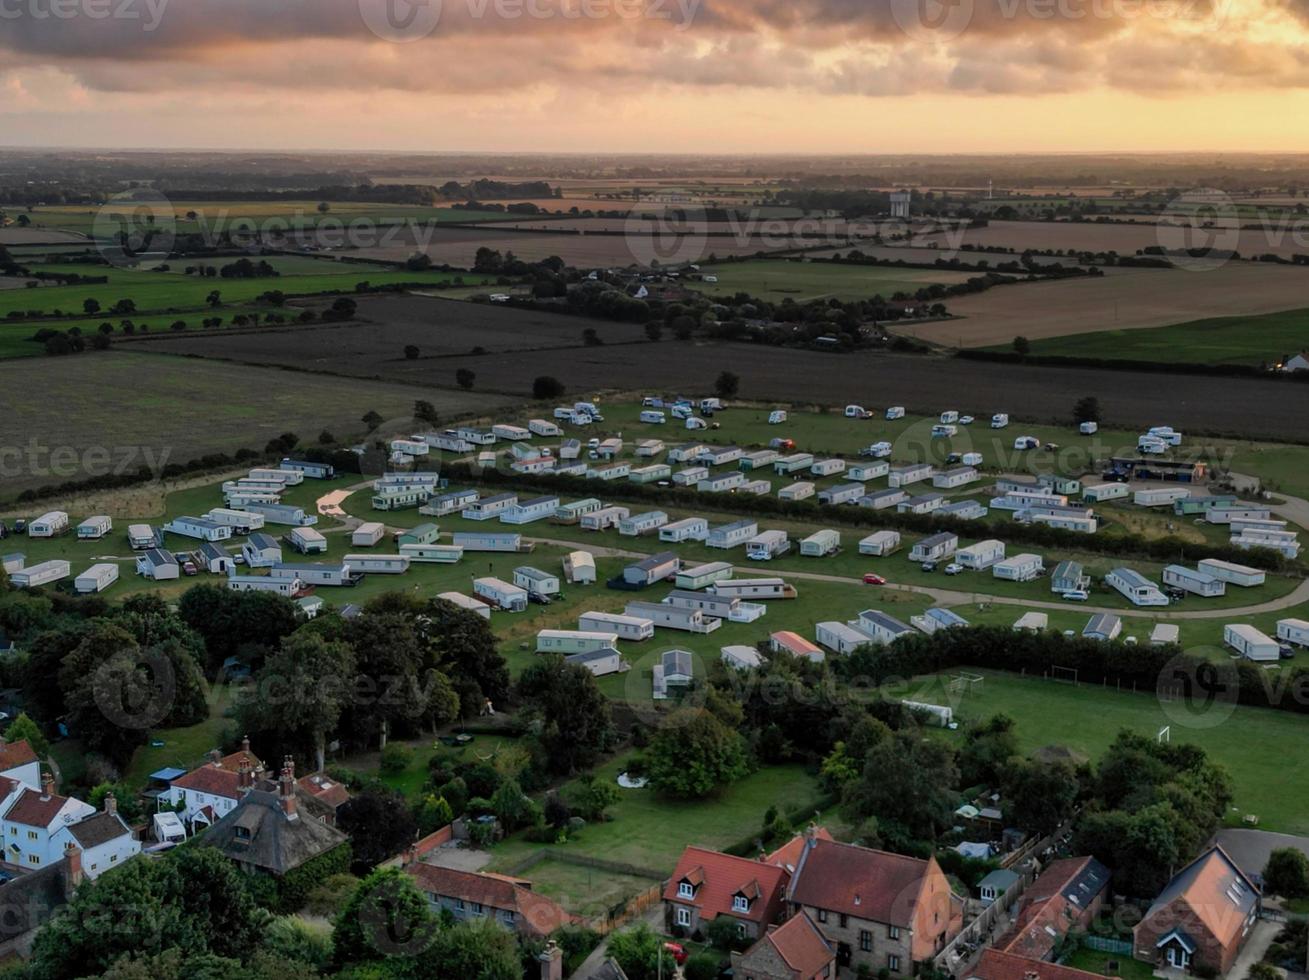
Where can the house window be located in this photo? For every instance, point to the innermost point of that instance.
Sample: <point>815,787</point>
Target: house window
<point>893,963</point>
<point>112,859</point>
<point>686,890</point>
<point>31,835</point>
<point>822,915</point>
<point>33,859</point>
<point>740,903</point>
<point>478,908</point>
<point>845,920</point>
<point>893,932</point>
<point>459,904</point>
<point>684,917</point>
<point>740,929</point>
<point>865,940</point>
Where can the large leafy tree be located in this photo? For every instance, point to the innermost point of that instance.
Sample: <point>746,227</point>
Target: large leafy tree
<point>465,648</point>
<point>386,918</point>
<point>1287,873</point>
<point>909,781</point>
<point>693,754</point>
<point>381,825</point>
<point>1040,797</point>
<point>572,716</point>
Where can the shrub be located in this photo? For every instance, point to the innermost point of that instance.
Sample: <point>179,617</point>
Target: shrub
<point>396,758</point>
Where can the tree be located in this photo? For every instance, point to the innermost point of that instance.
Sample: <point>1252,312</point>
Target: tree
<point>464,378</point>
<point>573,715</point>
<point>546,388</point>
<point>693,754</point>
<point>512,807</point>
<point>372,420</point>
<point>638,951</point>
<point>478,950</point>
<point>590,338</point>
<point>411,352</point>
<point>908,781</point>
<point>1040,797</point>
<point>1287,873</point>
<point>325,438</point>
<point>381,824</point>
<point>24,728</point>
<point>91,307</point>
<point>214,298</point>
<point>1022,345</point>
<point>727,385</point>
<point>1087,409</point>
<point>425,411</point>
<point>386,917</point>
<point>324,207</point>
<point>654,331</point>
<point>986,753</point>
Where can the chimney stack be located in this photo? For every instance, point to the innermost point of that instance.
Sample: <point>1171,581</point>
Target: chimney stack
<point>74,858</point>
<point>47,785</point>
<point>244,776</point>
<point>111,804</point>
<point>245,744</point>
<point>286,789</point>
<point>215,756</point>
<point>552,961</point>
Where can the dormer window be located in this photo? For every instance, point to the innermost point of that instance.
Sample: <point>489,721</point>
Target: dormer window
<point>740,903</point>
<point>685,890</point>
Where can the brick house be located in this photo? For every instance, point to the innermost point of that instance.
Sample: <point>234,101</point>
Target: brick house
<point>1066,897</point>
<point>796,950</point>
<point>1203,915</point>
<point>707,884</point>
<point>879,910</point>
<point>997,965</point>
<point>508,902</point>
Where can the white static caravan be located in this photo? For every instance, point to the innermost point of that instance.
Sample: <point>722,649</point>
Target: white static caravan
<point>265,583</point>
<point>316,471</point>
<point>609,448</point>
<point>13,562</point>
<point>488,540</point>
<point>140,537</point>
<point>579,567</point>
<point>396,496</point>
<point>827,467</point>
<point>767,545</point>
<point>880,543</point>
<point>261,550</point>
<point>94,528</point>
<point>604,518</point>
<point>410,447</point>
<point>703,576</point>
<point>544,428</point>
<point>48,525</point>
<point>754,588</point>
<point>651,474</point>
<point>1097,492</point>
<point>574,641</point>
<point>448,503</point>
<point>710,603</point>
<point>760,488</point>
<point>1138,589</point>
<point>476,435</point>
<point>1263,525</point>
<point>863,472</point>
<point>649,447</point>
<point>1293,631</point>
<point>721,482</point>
<point>924,503</point>
<point>655,568</point>
<point>536,581</point>
<point>614,471</point>
<point>467,603</point>
<point>963,510</point>
<point>902,476</point>
<point>536,464</point>
<point>882,499</point>
<point>600,662</point>
<point>690,476</point>
<point>732,534</point>
<point>379,564</point>
<point>214,559</point>
<point>821,543</point>
<point>981,555</point>
<point>793,463</point>
<point>570,449</point>
<point>687,529</point>
<point>673,617</point>
<point>490,508</point>
<point>956,476</point>
<point>1251,643</point>
<point>307,541</point>
<point>719,455</point>
<point>1019,568</point>
<point>627,627</point>
<point>639,524</point>
<point>290,478</point>
<point>1159,496</point>
<point>686,452</point>
<point>1193,580</point>
<point>287,514</point>
<point>449,440</point>
<point>367,534</point>
<point>1103,627</point>
<point>840,638</point>
<point>426,554</point>
<point>1231,573</point>
<point>1164,634</point>
<point>500,594</point>
<point>316,573</point>
<point>801,490</point>
<point>527,511</point>
<point>935,547</point>
<point>758,460</point>
<point>937,618</point>
<point>158,565</point>
<point>1227,515</point>
<point>741,657</point>
<point>1063,518</point>
<point>1284,543</point>
<point>880,627</point>
<point>239,500</point>
<point>842,493</point>
<point>97,578</point>
<point>573,511</point>
<point>44,573</point>
<point>199,527</point>
<point>240,521</point>
<point>1031,622</point>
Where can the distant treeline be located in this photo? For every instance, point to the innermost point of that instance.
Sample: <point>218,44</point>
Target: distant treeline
<point>1123,364</point>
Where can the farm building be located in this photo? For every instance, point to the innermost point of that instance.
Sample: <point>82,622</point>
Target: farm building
<point>882,499</point>
<point>320,573</point>
<point>709,603</point>
<point>199,528</point>
<point>31,576</point>
<point>441,554</point>
<point>637,524</point>
<point>1164,634</point>
<point>902,476</point>
<point>673,670</point>
<point>1231,573</point>
<point>758,460</point>
<point>535,581</point>
<point>367,534</point>
<point>527,511</point>
<point>962,510</point>
<point>490,508</point>
<point>264,583</point>
<point>570,449</point>
<point>767,545</point>
<point>94,528</point>
<point>673,617</point>
<point>721,482</point>
<point>378,564</point>
<point>574,641</point>
<point>842,493</point>
<point>827,467</point>
<point>1293,631</point>
<point>880,627</point>
<point>1226,515</point>
<point>1194,581</point>
<point>840,638</point>
<point>981,555</point>
<point>510,432</point>
<point>956,476</point>
<point>760,488</point>
<point>1031,622</point>
<point>1159,496</point>
<point>614,471</point>
<point>741,657</point>
<point>306,540</point>
<point>1103,627</point>
<point>140,536</point>
<point>241,521</point>
<point>649,447</point>
<point>800,490</point>
<point>422,534</point>
<point>398,497</point>
<point>537,464</point>
<point>1251,643</point>
<point>821,543</point>
<point>863,472</point>
<point>1069,577</point>
<point>786,641</point>
<point>703,576</point>
<point>651,474</point>
<point>579,567</point>
<point>654,569</point>
<point>604,518</point>
<point>317,471</point>
<point>754,588</point>
<point>467,603</point>
<point>214,558</point>
<point>687,529</point>
<point>1098,492</point>
<point>880,543</point>
<point>937,618</point>
<point>685,453</point>
<point>1019,568</point>
<point>924,503</point>
<point>1063,518</point>
<point>573,511</point>
<point>627,627</point>
<point>690,476</point>
<point>935,547</point>
<point>600,662</point>
<point>158,565</point>
<point>488,540</point>
<point>261,550</point>
<point>719,455</point>
<point>544,428</point>
<point>731,535</point>
<point>500,594</point>
<point>792,463</point>
<point>97,578</point>
<point>449,503</point>
<point>287,514</point>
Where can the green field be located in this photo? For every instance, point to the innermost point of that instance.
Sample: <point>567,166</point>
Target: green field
<point>802,281</point>
<point>1249,340</point>
<point>16,338</point>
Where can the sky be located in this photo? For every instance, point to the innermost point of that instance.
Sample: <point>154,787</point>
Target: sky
<point>679,76</point>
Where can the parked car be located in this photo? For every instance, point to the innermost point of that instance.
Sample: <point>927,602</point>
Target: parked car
<point>1285,651</point>
<point>188,568</point>
<point>928,566</point>
<point>954,568</point>
<point>871,578</point>
<point>966,420</point>
<point>1077,595</point>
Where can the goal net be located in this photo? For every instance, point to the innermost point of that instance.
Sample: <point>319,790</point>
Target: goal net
<point>1063,675</point>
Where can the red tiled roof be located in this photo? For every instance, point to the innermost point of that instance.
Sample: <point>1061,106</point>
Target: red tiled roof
<point>233,761</point>
<point>720,877</point>
<point>874,885</point>
<point>211,779</point>
<point>788,855</point>
<point>34,810</point>
<point>1216,890</point>
<point>535,913</point>
<point>15,754</point>
<point>996,965</point>
<point>801,946</point>
<point>324,788</point>
<point>1046,906</point>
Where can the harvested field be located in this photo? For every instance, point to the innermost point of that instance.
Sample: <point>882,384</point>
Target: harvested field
<point>37,236</point>
<point>1132,299</point>
<point>776,280</point>
<point>925,255</point>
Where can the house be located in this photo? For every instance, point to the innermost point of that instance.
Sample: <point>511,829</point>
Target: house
<point>703,576</point>
<point>508,902</point>
<point>1067,896</point>
<point>755,588</point>
<point>39,825</point>
<point>94,528</point>
<point>603,519</point>
<point>767,545</point>
<point>535,581</point>
<point>214,558</point>
<point>1192,580</point>
<point>19,763</point>
<point>1019,568</point>
<point>48,525</point>
<point>924,503</point>
<point>1103,627</point>
<point>880,627</point>
<point>996,965</point>
<point>489,508</point>
<point>821,543</point>
<point>673,617</point>
<point>488,540</point>
<point>527,511</point>
<point>786,641</point>
<point>199,527</point>
<point>795,950</point>
<point>880,543</point>
<point>956,476</point>
<point>97,578</point>
<point>261,550</point>
<point>800,490</point>
<point>707,884</point>
<point>448,503</point>
<point>574,641</point>
<point>881,911</point>
<point>466,603</point>
<point>500,594</point>
<point>902,476</point>
<point>318,471</point>
<point>842,493</point>
<point>687,529</point>
<point>43,573</point>
<point>1202,917</point>
<point>937,618</point>
<point>740,657</point>
<point>158,565</point>
<point>638,524</point>
<point>310,605</point>
<point>212,790</point>
<point>627,627</point>
<point>579,567</point>
<point>1069,577</point>
<point>307,541</point>
<point>1231,573</point>
<point>981,555</point>
<point>731,535</point>
<point>934,547</point>
<point>654,569</point>
<point>1138,589</point>
<point>840,637</point>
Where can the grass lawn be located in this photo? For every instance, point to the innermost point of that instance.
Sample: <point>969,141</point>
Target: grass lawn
<point>16,338</point>
<point>587,892</point>
<point>182,747</point>
<point>802,281</point>
<point>1252,340</point>
<point>1094,961</point>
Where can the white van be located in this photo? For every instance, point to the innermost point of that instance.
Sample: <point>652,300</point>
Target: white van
<point>999,421</point>
<point>948,417</point>
<point>681,411</point>
<point>654,418</point>
<point>777,417</point>
<point>1027,442</point>
<point>894,413</point>
<point>857,412</point>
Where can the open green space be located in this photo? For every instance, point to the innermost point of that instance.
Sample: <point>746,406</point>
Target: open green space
<point>588,892</point>
<point>16,338</point>
<point>184,748</point>
<point>1124,967</point>
<point>802,281</point>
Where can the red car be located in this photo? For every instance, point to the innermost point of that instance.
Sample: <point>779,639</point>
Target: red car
<point>678,951</point>
<point>872,579</point>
